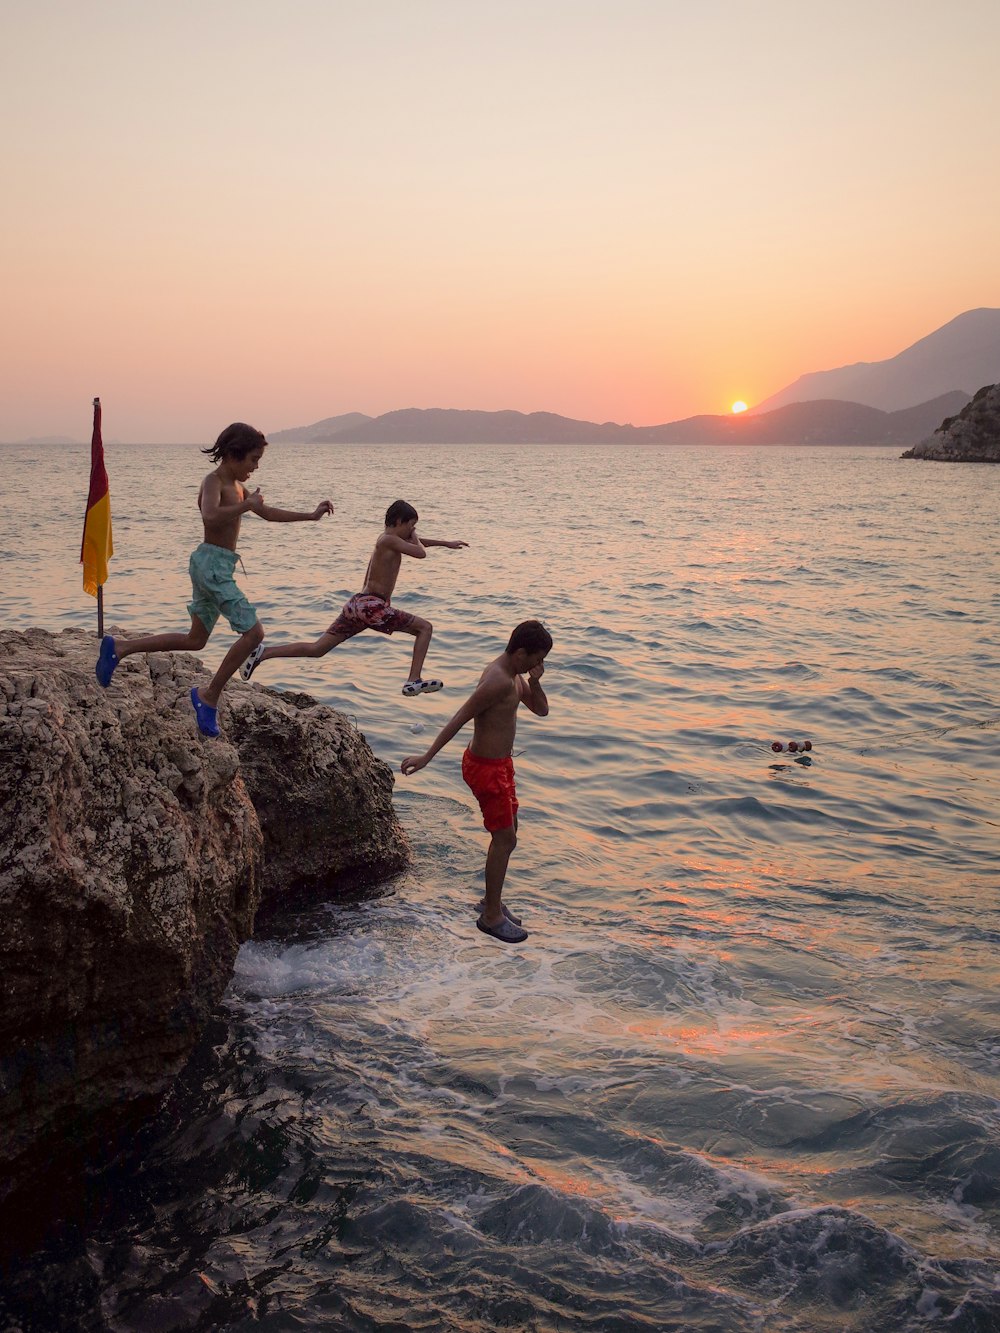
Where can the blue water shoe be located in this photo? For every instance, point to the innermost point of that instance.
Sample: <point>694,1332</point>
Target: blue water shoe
<point>106,662</point>
<point>208,719</point>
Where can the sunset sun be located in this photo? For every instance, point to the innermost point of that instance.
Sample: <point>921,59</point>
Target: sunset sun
<point>739,405</point>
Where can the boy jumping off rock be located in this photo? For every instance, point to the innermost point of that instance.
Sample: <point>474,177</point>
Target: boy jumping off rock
<point>223,500</point>
<point>371,608</point>
<point>487,766</point>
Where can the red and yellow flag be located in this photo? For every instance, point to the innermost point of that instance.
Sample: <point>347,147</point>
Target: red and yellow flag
<point>97,546</point>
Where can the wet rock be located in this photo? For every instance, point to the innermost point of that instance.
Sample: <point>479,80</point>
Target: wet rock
<point>324,801</point>
<point>132,862</point>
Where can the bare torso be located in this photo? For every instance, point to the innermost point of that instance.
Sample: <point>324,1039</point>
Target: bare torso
<point>223,531</point>
<point>383,570</point>
<point>496,726</point>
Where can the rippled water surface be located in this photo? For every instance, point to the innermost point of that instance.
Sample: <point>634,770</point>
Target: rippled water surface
<point>744,1074</point>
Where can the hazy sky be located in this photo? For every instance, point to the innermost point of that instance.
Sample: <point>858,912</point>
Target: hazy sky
<point>629,210</point>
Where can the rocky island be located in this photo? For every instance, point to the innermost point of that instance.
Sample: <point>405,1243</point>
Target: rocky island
<point>134,855</point>
<point>971,436</point>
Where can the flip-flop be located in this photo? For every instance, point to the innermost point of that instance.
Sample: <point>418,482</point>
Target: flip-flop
<point>252,662</point>
<point>506,911</point>
<point>505,931</point>
<point>208,717</point>
<point>106,662</point>
<point>419,686</point>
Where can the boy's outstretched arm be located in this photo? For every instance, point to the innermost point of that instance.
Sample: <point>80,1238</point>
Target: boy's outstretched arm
<point>452,546</point>
<point>477,703</point>
<point>531,694</point>
<point>292,515</point>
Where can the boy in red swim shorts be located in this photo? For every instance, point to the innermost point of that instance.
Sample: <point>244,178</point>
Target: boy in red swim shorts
<point>487,766</point>
<point>371,608</point>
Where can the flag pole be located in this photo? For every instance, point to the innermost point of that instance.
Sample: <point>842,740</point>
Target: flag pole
<point>100,586</point>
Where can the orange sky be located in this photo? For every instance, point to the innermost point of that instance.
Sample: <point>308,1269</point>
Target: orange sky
<point>629,210</point>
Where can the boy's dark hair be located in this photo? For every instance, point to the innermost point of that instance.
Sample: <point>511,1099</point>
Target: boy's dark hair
<point>236,441</point>
<point>532,636</point>
<point>399,512</point>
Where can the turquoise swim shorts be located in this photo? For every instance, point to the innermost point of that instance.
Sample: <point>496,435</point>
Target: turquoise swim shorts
<point>215,591</point>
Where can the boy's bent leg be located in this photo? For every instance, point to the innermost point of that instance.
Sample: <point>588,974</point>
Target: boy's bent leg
<point>422,630</point>
<point>196,637</point>
<point>113,650</point>
<point>319,648</point>
<point>237,655</point>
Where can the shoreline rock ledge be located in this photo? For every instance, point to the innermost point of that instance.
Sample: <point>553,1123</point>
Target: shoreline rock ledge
<point>134,855</point>
<point>973,436</point>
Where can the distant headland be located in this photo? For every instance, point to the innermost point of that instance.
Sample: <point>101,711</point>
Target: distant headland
<point>973,436</point>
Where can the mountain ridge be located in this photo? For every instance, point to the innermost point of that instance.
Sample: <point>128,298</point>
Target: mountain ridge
<point>827,421</point>
<point>937,374</point>
<point>320,431</point>
<point>962,354</point>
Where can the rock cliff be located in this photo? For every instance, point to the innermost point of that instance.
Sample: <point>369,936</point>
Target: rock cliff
<point>132,863</point>
<point>973,436</point>
<point>323,800</point>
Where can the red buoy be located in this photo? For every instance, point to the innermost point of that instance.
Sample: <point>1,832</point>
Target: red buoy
<point>777,747</point>
<point>807,745</point>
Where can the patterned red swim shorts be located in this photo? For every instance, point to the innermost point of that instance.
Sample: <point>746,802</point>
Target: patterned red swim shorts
<point>366,610</point>
<point>492,783</point>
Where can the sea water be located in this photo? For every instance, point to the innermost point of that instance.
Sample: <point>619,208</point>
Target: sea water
<point>744,1073</point>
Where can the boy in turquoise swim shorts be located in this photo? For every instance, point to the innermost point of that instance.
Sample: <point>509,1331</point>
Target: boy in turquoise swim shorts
<point>223,500</point>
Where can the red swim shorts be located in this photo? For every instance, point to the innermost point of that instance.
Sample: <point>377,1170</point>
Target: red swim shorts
<point>492,783</point>
<point>366,610</point>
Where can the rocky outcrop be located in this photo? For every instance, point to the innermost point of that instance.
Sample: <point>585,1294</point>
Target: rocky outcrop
<point>132,863</point>
<point>973,436</point>
<point>324,801</point>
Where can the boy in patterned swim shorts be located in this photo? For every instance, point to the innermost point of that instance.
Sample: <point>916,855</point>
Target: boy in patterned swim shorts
<point>371,608</point>
<point>487,766</point>
<point>223,500</point>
